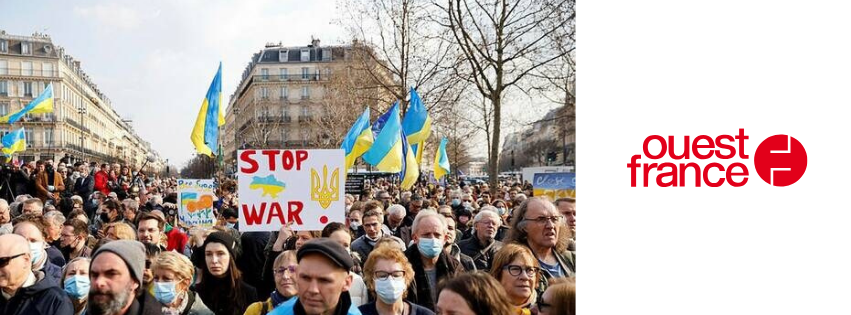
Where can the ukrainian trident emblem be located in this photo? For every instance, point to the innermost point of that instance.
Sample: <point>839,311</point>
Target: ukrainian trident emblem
<point>322,190</point>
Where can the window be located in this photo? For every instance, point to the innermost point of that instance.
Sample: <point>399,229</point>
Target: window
<point>47,69</point>
<point>264,92</point>
<point>4,67</point>
<point>27,88</point>
<point>4,88</point>
<point>26,68</point>
<point>283,73</point>
<point>285,112</point>
<point>264,73</point>
<point>305,73</point>
<point>305,55</point>
<point>26,48</point>
<point>4,45</point>
<point>326,54</point>
<point>28,134</point>
<point>48,137</point>
<point>4,109</point>
<point>285,93</point>
<point>283,56</point>
<point>305,92</point>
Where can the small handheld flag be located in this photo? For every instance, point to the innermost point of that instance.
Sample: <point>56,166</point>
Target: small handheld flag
<point>14,141</point>
<point>441,160</point>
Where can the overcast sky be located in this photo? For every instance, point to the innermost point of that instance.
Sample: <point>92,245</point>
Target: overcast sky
<point>155,59</point>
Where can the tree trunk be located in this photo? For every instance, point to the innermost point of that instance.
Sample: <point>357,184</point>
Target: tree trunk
<point>493,167</point>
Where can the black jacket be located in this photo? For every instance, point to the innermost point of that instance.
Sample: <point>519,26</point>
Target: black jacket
<point>43,297</point>
<point>84,187</point>
<point>252,258</point>
<point>419,291</point>
<point>482,255</point>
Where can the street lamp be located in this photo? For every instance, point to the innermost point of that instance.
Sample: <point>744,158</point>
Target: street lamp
<point>83,111</point>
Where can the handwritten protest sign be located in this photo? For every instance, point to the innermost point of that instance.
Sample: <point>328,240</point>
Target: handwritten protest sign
<point>555,185</point>
<point>277,187</point>
<point>195,200</point>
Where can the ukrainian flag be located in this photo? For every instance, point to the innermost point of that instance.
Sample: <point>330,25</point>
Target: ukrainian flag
<point>13,142</point>
<point>42,104</point>
<point>410,169</point>
<point>358,140</point>
<point>441,160</point>
<point>417,124</point>
<point>386,151</point>
<point>210,117</point>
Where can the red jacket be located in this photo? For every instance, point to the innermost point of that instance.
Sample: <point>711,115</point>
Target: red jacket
<point>176,240</point>
<point>102,182</point>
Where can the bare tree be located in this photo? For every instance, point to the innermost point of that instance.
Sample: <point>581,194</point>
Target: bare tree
<point>502,43</point>
<point>265,127</point>
<point>453,123</point>
<point>404,42</point>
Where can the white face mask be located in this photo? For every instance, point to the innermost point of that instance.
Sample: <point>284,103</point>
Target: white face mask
<point>36,250</point>
<point>390,290</point>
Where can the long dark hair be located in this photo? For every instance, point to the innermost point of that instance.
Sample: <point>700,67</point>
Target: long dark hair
<point>225,291</point>
<point>484,295</point>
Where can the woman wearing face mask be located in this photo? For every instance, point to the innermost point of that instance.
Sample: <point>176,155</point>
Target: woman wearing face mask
<point>221,286</point>
<point>75,281</point>
<point>285,286</point>
<point>518,272</point>
<point>387,274</point>
<point>501,209</point>
<point>172,276</point>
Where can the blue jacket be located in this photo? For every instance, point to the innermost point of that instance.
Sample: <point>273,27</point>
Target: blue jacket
<point>288,308</point>
<point>43,297</point>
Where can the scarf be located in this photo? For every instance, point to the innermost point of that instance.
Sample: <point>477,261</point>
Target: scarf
<point>277,298</point>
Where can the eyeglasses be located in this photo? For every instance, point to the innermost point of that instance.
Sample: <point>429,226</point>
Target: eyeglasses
<point>515,270</point>
<point>5,260</point>
<point>543,220</point>
<point>281,271</point>
<point>382,275</point>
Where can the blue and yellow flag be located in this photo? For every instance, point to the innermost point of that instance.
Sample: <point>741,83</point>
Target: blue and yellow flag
<point>358,140</point>
<point>410,169</point>
<point>441,160</point>
<point>42,104</point>
<point>417,124</point>
<point>210,117</point>
<point>14,141</point>
<point>386,150</point>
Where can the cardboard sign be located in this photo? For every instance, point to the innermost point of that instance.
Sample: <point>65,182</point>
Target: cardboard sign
<point>555,185</point>
<point>195,202</point>
<point>301,187</point>
<point>354,184</point>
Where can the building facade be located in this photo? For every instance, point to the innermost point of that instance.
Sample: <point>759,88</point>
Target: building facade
<point>549,141</point>
<point>284,100</point>
<point>83,125</point>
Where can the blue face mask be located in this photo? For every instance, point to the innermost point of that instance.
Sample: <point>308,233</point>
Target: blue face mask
<point>230,225</point>
<point>36,250</point>
<point>165,292</point>
<point>77,287</point>
<point>430,247</point>
<point>456,202</point>
<point>390,290</point>
<point>500,211</point>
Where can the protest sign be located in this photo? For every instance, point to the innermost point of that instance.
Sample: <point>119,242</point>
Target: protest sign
<point>301,187</point>
<point>195,202</point>
<point>354,184</point>
<point>555,185</point>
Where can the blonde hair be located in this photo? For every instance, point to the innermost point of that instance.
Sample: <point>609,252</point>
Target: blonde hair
<point>174,262</point>
<point>285,255</point>
<point>123,231</point>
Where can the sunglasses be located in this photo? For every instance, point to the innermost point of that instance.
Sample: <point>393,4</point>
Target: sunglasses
<point>5,260</point>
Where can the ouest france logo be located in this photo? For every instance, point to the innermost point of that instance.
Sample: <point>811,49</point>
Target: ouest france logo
<point>779,160</point>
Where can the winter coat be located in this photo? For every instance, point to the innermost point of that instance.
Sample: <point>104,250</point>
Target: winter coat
<point>43,297</point>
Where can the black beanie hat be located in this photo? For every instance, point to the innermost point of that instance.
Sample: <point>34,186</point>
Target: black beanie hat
<point>223,238</point>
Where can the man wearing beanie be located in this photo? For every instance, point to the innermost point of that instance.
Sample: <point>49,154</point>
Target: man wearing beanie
<point>323,281</point>
<point>116,281</point>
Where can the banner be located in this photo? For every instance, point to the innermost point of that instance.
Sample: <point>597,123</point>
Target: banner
<point>555,185</point>
<point>302,187</point>
<point>195,202</point>
<point>354,184</point>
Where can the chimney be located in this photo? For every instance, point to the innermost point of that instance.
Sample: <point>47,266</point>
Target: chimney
<point>77,64</point>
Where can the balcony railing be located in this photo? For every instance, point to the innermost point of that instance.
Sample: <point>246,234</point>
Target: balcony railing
<point>292,77</point>
<point>275,119</point>
<point>18,72</point>
<point>305,118</point>
<point>76,124</point>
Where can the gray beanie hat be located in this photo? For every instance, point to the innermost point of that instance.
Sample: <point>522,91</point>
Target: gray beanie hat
<point>132,252</point>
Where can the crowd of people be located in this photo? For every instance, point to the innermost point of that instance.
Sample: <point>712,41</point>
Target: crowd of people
<point>89,238</point>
